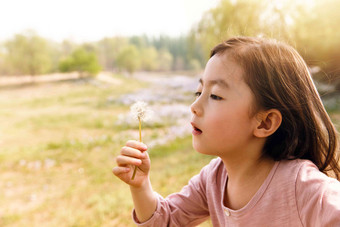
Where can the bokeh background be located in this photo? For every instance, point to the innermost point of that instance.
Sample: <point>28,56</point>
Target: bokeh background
<point>70,70</point>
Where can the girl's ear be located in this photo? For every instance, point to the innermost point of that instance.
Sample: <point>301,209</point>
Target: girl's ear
<point>267,123</point>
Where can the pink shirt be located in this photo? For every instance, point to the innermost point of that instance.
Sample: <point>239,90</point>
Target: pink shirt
<point>295,193</point>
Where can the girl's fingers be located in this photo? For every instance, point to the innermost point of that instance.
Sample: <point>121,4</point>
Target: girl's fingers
<point>126,160</point>
<point>120,170</point>
<point>132,152</point>
<point>137,145</point>
<point>132,155</point>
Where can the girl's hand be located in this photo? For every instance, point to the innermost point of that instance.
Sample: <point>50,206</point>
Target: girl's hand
<point>131,155</point>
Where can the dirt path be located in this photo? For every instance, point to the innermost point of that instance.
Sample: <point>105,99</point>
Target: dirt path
<point>26,79</point>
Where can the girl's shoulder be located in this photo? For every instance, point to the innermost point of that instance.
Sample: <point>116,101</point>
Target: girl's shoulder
<point>307,178</point>
<point>304,171</point>
<point>315,193</point>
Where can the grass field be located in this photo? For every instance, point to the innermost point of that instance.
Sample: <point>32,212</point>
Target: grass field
<point>58,142</point>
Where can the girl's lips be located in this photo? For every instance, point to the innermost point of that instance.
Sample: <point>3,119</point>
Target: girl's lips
<point>196,131</point>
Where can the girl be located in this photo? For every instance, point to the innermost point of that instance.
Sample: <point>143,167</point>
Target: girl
<point>258,110</point>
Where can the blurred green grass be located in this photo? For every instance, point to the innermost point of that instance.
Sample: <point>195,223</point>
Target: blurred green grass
<point>58,144</point>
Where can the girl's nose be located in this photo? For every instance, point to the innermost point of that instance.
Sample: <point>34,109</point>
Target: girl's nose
<point>196,108</point>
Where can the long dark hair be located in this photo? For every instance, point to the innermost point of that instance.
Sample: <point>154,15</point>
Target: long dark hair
<point>280,79</point>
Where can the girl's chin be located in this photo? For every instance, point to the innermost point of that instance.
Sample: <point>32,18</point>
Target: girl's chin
<point>203,150</point>
<point>198,148</point>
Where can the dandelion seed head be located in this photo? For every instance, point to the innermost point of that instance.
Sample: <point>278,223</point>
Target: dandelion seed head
<point>140,111</point>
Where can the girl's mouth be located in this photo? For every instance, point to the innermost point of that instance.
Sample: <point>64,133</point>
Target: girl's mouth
<point>196,131</point>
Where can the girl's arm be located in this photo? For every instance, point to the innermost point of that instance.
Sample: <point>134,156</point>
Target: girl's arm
<point>131,155</point>
<point>186,208</point>
<point>144,200</point>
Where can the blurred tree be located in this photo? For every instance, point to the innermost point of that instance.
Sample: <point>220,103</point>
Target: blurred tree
<point>2,65</point>
<point>82,61</point>
<point>139,41</point>
<point>27,54</point>
<point>317,37</point>
<point>229,18</point>
<point>194,65</point>
<point>179,63</point>
<point>108,49</point>
<point>177,47</point>
<point>129,59</point>
<point>55,54</point>
<point>310,26</point>
<point>67,47</point>
<point>149,58</point>
<point>195,50</point>
<point>89,47</point>
<point>164,60</point>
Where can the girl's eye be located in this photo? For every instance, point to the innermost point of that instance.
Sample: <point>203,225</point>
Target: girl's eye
<point>215,97</point>
<point>198,93</point>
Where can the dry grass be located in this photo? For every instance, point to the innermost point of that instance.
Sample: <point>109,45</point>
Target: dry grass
<point>58,142</point>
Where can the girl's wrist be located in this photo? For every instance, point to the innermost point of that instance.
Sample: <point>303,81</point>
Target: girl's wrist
<point>145,186</point>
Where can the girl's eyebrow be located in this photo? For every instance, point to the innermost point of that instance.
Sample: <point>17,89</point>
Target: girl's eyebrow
<point>220,82</point>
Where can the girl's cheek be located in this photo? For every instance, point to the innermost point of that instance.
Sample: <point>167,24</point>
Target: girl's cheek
<point>216,121</point>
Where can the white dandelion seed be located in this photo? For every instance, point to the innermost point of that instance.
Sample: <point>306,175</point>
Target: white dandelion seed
<point>140,111</point>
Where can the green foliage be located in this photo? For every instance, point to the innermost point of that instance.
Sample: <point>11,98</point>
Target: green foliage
<point>316,35</point>
<point>27,54</point>
<point>107,50</point>
<point>311,28</point>
<point>129,59</point>
<point>149,58</point>
<point>165,60</point>
<point>229,18</point>
<point>110,54</point>
<point>194,65</point>
<point>178,48</point>
<point>82,61</point>
<point>140,41</point>
<point>2,63</point>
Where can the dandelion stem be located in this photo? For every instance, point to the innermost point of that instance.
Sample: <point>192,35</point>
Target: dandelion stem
<point>140,129</point>
<point>140,140</point>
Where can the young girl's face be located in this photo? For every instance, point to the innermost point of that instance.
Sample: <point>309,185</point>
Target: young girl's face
<point>221,114</point>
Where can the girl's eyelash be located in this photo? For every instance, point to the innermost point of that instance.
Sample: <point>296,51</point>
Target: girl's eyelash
<point>215,97</point>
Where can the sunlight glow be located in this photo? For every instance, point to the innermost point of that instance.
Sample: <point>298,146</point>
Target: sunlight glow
<point>89,20</point>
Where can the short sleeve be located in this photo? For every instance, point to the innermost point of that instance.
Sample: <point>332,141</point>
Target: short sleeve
<point>318,197</point>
